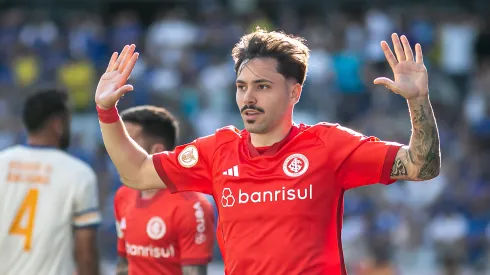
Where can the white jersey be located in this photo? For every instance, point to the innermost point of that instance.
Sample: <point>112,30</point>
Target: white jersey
<point>44,194</point>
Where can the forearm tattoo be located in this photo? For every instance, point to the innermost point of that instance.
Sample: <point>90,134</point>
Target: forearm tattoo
<point>422,159</point>
<point>399,168</point>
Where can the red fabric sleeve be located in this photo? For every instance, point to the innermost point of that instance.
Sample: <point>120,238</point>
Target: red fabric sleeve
<point>188,167</point>
<point>120,225</point>
<point>195,219</point>
<point>359,160</point>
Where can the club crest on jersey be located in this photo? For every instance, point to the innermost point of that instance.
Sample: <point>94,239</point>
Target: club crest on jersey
<point>156,228</point>
<point>189,156</point>
<point>295,165</point>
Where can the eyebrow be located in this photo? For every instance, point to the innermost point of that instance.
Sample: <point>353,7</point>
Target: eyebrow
<point>262,80</point>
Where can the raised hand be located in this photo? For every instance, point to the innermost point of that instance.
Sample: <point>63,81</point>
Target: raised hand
<point>410,76</point>
<point>112,85</point>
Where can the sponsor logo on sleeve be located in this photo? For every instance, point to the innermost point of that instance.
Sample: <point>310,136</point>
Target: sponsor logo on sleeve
<point>201,223</point>
<point>189,156</point>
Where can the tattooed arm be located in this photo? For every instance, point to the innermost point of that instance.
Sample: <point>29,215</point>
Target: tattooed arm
<point>421,159</point>
<point>122,266</point>
<point>195,270</point>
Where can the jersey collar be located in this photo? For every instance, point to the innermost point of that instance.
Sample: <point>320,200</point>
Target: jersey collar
<point>274,148</point>
<point>40,146</point>
<point>142,203</point>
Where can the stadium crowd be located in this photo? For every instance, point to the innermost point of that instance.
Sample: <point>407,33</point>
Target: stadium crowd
<point>185,66</point>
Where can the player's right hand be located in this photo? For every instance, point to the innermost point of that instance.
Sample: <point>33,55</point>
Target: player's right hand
<point>112,85</point>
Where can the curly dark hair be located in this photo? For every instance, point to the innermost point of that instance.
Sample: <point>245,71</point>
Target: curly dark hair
<point>43,105</point>
<point>290,52</point>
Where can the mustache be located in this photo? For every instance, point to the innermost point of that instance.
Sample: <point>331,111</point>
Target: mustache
<point>251,107</point>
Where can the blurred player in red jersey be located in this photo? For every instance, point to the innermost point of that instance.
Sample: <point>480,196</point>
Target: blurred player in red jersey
<point>278,185</point>
<point>160,233</point>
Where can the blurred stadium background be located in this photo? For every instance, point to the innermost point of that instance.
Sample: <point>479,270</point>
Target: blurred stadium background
<point>185,66</point>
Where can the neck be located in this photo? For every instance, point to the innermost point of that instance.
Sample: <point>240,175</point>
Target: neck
<point>271,137</point>
<point>41,140</point>
<point>148,194</point>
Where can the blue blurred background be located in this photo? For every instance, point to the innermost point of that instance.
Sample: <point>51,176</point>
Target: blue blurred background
<point>435,227</point>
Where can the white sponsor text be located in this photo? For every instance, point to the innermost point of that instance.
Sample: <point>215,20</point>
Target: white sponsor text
<point>228,198</point>
<point>150,251</point>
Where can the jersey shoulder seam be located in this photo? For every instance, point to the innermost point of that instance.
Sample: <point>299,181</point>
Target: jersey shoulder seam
<point>224,130</point>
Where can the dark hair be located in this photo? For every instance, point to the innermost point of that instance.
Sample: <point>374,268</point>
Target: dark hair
<point>156,122</point>
<point>290,52</point>
<point>42,106</point>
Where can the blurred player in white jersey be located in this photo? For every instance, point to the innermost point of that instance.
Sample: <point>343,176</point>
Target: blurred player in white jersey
<point>48,199</point>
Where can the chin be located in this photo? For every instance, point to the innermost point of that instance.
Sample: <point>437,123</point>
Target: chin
<point>254,128</point>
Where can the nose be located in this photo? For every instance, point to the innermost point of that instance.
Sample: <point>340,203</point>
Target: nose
<point>249,97</point>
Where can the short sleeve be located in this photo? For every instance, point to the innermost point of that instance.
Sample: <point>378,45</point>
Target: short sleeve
<point>188,167</point>
<point>195,219</point>
<point>120,226</point>
<point>86,202</point>
<point>359,160</point>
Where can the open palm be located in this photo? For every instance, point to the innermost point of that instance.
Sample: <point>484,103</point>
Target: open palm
<point>112,85</point>
<point>410,76</point>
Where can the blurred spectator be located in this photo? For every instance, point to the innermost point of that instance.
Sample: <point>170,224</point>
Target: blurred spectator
<point>448,231</point>
<point>26,67</point>
<point>169,36</point>
<point>458,34</point>
<point>78,76</point>
<point>379,26</point>
<point>86,37</point>
<point>39,32</point>
<point>126,30</point>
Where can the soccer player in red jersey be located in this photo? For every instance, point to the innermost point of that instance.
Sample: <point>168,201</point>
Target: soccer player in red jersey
<point>278,185</point>
<point>160,233</point>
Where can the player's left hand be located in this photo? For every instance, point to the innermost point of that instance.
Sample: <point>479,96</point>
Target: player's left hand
<point>411,78</point>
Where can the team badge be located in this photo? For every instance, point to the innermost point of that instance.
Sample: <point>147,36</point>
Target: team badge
<point>295,165</point>
<point>189,156</point>
<point>156,228</point>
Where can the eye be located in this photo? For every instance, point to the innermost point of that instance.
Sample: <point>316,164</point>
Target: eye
<point>263,86</point>
<point>240,87</point>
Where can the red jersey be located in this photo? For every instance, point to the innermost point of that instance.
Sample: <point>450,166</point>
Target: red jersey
<point>280,209</point>
<point>159,235</point>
